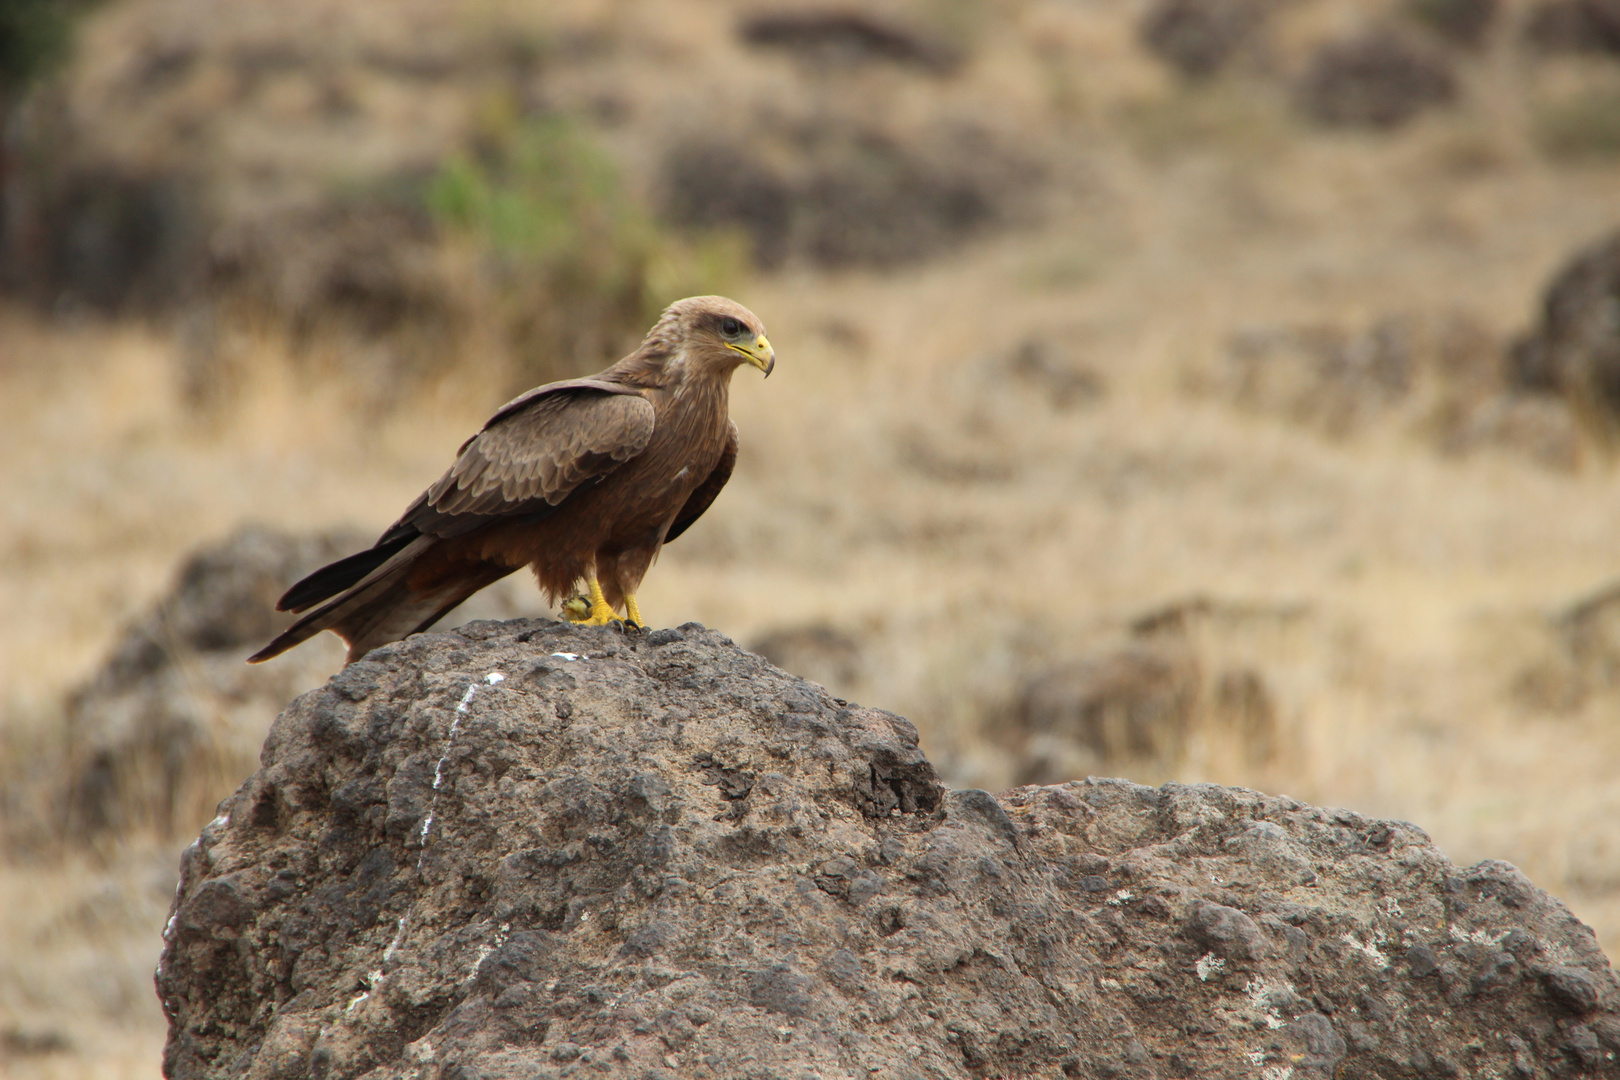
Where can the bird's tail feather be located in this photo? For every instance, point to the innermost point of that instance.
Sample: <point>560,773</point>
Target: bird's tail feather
<point>382,607</point>
<point>399,611</point>
<point>334,578</point>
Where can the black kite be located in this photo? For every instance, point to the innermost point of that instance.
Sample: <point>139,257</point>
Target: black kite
<point>582,481</point>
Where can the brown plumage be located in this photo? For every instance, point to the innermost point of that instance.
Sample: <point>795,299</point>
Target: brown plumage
<point>583,481</point>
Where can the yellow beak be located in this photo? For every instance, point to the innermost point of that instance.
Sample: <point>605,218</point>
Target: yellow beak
<point>760,354</point>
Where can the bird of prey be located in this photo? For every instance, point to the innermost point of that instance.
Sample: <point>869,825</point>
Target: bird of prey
<point>583,481</point>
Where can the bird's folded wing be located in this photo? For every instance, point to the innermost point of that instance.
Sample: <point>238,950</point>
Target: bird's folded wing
<point>535,452</point>
<point>528,397</point>
<point>701,499</point>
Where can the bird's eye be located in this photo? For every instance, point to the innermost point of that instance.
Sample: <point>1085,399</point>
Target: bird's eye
<point>730,327</point>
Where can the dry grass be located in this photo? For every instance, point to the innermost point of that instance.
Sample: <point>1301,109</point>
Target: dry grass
<point>82,938</point>
<point>900,483</point>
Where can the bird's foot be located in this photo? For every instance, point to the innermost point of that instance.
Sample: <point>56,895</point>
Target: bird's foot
<point>602,615</point>
<point>593,610</point>
<point>580,612</point>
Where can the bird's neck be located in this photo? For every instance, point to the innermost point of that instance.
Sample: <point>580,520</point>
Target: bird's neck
<point>639,369</point>
<point>677,373</point>
<point>700,383</point>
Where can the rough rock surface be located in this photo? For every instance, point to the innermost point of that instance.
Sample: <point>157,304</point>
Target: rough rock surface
<point>525,849</point>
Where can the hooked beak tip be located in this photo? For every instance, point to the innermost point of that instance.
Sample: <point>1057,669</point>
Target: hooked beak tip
<point>759,354</point>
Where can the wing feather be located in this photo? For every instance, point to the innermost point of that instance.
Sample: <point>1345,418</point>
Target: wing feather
<point>533,453</point>
<point>705,494</point>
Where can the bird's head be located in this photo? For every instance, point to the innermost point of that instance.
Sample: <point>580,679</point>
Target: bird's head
<point>713,333</point>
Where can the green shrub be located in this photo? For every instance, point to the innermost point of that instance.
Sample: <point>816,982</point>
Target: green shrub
<point>34,34</point>
<point>580,267</point>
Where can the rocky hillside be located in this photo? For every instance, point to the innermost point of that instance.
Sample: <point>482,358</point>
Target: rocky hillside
<point>526,849</point>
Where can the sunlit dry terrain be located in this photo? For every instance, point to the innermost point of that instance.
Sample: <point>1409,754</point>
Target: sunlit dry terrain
<point>966,517</point>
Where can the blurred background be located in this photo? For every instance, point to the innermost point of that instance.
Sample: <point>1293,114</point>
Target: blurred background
<point>1216,390</point>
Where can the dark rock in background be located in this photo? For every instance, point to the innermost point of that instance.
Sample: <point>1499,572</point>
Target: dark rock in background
<point>1443,374</point>
<point>1379,79</point>
<point>1136,706</point>
<point>1591,26</point>
<point>149,732</point>
<point>847,36</point>
<point>1575,349</point>
<point>175,715</point>
<point>840,190</point>
<point>1199,37</point>
<point>1137,702</point>
<point>526,849</point>
<point>102,239</point>
<point>816,651</point>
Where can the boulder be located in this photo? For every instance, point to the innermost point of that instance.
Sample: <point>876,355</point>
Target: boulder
<point>529,849</point>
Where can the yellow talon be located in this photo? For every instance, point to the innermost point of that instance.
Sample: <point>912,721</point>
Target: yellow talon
<point>600,614</point>
<point>593,610</point>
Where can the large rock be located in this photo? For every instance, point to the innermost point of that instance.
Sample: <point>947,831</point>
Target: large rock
<point>526,849</point>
